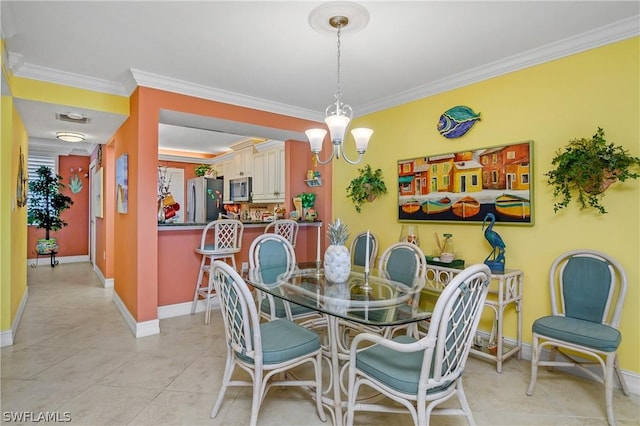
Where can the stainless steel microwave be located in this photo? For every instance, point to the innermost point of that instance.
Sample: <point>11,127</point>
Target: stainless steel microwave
<point>240,190</point>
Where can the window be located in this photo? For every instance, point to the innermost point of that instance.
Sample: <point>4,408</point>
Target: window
<point>34,162</point>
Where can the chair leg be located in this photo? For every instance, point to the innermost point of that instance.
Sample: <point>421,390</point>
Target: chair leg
<point>535,356</point>
<point>256,398</point>
<point>318,368</point>
<point>198,284</point>
<point>228,371</point>
<point>608,389</point>
<point>462,398</point>
<point>618,372</point>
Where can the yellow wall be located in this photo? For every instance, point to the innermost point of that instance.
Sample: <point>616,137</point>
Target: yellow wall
<point>13,219</point>
<point>549,104</point>
<point>41,91</point>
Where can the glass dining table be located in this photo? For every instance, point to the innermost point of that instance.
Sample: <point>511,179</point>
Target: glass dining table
<point>362,302</point>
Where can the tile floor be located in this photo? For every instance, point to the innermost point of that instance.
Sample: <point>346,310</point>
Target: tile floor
<point>74,354</point>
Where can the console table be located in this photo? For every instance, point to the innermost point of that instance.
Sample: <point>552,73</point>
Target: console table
<point>505,292</point>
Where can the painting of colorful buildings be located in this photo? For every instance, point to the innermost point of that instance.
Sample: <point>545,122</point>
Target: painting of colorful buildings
<point>465,185</point>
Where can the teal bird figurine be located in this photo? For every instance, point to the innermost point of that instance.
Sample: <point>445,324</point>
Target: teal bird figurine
<point>495,261</point>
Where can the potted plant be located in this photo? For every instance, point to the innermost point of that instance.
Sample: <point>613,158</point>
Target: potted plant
<point>46,202</point>
<point>204,170</point>
<point>366,186</point>
<point>586,168</point>
<point>308,212</point>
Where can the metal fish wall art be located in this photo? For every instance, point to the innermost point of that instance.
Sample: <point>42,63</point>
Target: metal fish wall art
<point>457,121</point>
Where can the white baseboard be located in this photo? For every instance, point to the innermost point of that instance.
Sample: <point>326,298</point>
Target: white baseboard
<point>44,260</point>
<point>139,329</point>
<point>632,379</point>
<point>106,282</point>
<point>6,337</point>
<point>179,309</point>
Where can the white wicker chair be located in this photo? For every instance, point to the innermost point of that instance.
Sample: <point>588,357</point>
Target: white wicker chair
<point>358,249</point>
<point>421,374</point>
<point>286,227</point>
<point>221,240</point>
<point>274,255</point>
<point>588,289</point>
<point>261,349</point>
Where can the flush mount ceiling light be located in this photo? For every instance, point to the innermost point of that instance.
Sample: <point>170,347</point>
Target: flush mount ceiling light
<point>70,136</point>
<point>334,18</point>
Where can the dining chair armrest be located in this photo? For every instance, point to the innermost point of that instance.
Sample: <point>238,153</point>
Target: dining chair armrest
<point>416,346</point>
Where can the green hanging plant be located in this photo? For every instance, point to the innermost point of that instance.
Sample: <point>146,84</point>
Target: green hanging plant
<point>586,168</point>
<point>367,186</point>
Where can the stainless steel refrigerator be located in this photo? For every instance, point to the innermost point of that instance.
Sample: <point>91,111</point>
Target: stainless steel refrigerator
<point>204,199</point>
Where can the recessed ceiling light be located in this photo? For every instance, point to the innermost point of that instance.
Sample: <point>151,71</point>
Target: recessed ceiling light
<point>70,136</point>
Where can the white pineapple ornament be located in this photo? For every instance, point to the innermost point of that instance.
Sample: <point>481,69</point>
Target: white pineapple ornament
<point>337,259</point>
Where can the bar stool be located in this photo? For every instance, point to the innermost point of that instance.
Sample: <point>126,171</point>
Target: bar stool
<point>285,227</point>
<point>221,240</point>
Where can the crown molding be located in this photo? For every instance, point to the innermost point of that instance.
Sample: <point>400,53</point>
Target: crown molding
<point>598,37</point>
<point>182,87</point>
<point>184,159</point>
<point>50,75</point>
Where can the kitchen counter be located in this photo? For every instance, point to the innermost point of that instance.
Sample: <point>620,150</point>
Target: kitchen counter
<point>179,264</point>
<point>247,224</point>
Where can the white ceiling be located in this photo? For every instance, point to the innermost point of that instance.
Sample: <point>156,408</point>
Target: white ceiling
<point>264,54</point>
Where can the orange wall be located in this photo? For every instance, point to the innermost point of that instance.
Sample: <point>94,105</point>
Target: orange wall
<point>73,239</point>
<point>135,252</point>
<point>298,160</point>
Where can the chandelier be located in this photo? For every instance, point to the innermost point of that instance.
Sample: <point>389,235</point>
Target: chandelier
<point>338,116</point>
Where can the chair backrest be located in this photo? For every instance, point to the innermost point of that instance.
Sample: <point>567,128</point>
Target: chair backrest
<point>403,262</point>
<point>286,227</point>
<point>359,249</point>
<point>241,320</point>
<point>273,254</point>
<point>453,325</point>
<point>588,285</point>
<point>226,236</point>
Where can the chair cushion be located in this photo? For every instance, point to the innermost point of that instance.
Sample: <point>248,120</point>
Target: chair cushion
<point>586,288</point>
<point>401,266</point>
<point>398,370</point>
<point>283,340</point>
<point>585,333</point>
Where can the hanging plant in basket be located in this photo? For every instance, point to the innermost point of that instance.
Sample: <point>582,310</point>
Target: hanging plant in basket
<point>586,168</point>
<point>366,186</point>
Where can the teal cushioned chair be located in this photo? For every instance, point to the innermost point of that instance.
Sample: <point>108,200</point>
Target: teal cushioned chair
<point>405,263</point>
<point>402,262</point>
<point>421,374</point>
<point>275,256</point>
<point>358,249</point>
<point>588,289</point>
<point>262,350</point>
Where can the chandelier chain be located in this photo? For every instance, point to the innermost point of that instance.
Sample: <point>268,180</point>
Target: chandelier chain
<point>339,89</point>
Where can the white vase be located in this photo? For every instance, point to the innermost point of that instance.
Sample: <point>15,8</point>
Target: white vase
<point>337,263</point>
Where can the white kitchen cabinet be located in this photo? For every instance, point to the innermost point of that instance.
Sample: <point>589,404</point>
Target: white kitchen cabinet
<point>227,167</point>
<point>243,162</point>
<point>269,173</point>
